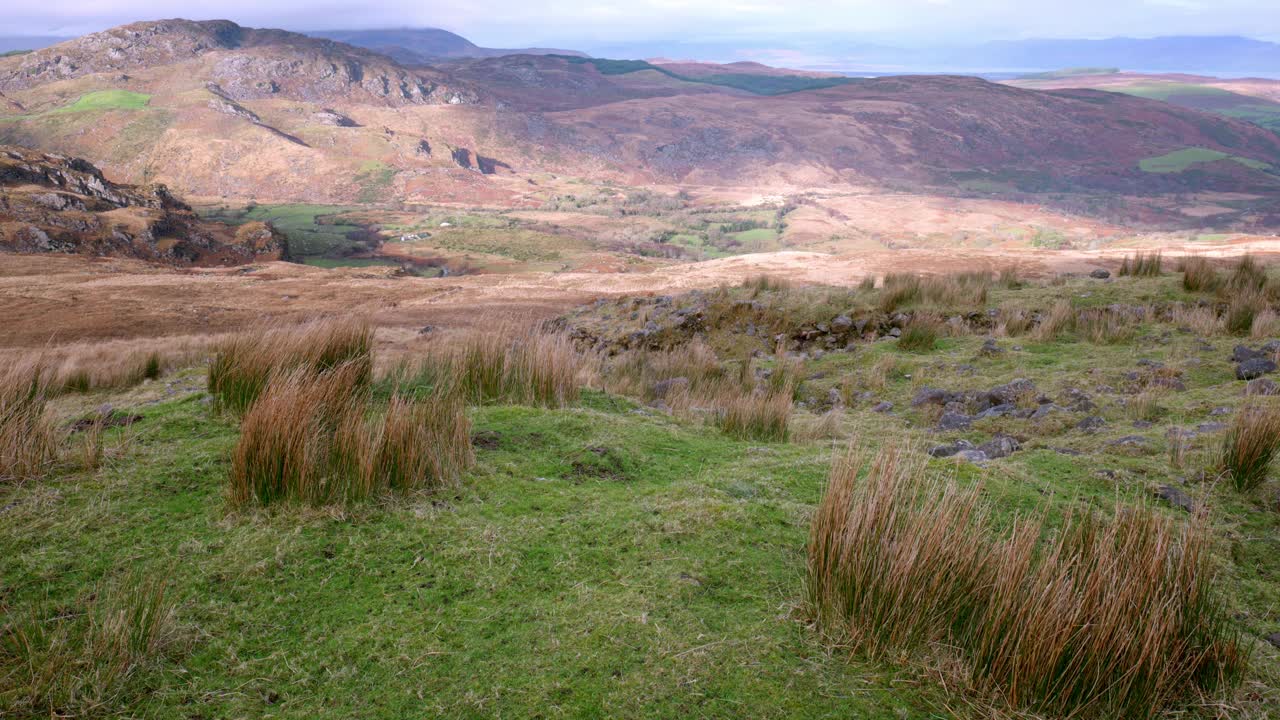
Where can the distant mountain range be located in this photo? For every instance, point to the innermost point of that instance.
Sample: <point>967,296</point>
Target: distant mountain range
<point>1226,55</point>
<point>424,45</point>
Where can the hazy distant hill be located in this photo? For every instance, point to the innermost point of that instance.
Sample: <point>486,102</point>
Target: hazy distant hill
<point>214,109</point>
<point>1218,54</point>
<point>413,45</point>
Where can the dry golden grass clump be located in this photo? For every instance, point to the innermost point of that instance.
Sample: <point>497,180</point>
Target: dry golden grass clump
<point>316,439</point>
<point>1250,445</point>
<point>763,416</point>
<point>1103,618</point>
<point>967,289</point>
<point>1104,326</point>
<point>510,364</point>
<point>765,283</point>
<point>920,335</point>
<point>244,363</point>
<point>80,661</point>
<point>1248,275</point>
<point>1060,318</point>
<point>1143,265</point>
<point>1201,320</point>
<point>1245,307</point>
<point>1198,275</point>
<point>29,438</point>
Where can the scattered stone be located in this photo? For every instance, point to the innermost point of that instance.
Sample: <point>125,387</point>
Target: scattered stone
<point>973,456</point>
<point>1010,392</point>
<point>1274,639</point>
<point>1255,368</point>
<point>1093,423</point>
<point>1000,446</point>
<point>949,449</point>
<point>1242,353</point>
<point>1220,411</point>
<point>426,329</point>
<point>1077,400</point>
<point>842,324</point>
<point>934,396</point>
<point>663,388</point>
<point>1143,424</point>
<point>106,417</point>
<point>997,411</point>
<point>1100,274</point>
<point>1068,451</point>
<point>1045,411</point>
<point>895,332</point>
<point>883,407</point>
<point>1131,441</point>
<point>1261,386</point>
<point>1176,498</point>
<point>990,348</point>
<point>954,421</point>
<point>1211,427</point>
<point>486,440</point>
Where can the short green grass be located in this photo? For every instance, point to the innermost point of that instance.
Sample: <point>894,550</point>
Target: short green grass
<point>607,560</point>
<point>313,230</point>
<point>1182,160</point>
<point>107,100</point>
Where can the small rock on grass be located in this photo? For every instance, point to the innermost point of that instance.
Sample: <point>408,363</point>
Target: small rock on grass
<point>1255,368</point>
<point>1100,274</point>
<point>1176,497</point>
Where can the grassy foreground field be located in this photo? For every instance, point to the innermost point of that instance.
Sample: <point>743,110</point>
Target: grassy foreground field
<point>631,552</point>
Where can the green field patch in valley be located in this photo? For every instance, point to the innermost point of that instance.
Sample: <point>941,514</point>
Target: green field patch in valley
<point>1180,160</point>
<point>107,100</point>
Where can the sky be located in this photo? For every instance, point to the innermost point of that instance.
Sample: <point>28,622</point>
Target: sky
<point>594,24</point>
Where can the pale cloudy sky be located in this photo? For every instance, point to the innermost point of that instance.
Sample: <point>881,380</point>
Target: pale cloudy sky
<point>589,24</point>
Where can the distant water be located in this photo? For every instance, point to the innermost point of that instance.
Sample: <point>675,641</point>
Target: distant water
<point>997,74</point>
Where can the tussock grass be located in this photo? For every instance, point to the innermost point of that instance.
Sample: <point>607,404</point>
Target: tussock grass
<point>1060,318</point>
<point>1143,265</point>
<point>1105,618</point>
<point>1248,275</point>
<point>1198,275</point>
<point>1250,445</point>
<point>1146,404</point>
<point>1266,324</point>
<point>316,439</point>
<point>1103,326</point>
<point>29,439</point>
<point>765,283</point>
<point>966,289</point>
<point>86,660</point>
<point>920,335</point>
<point>1203,321</point>
<point>244,363</point>
<point>761,416</point>
<point>1245,307</point>
<point>509,364</point>
<point>1009,278</point>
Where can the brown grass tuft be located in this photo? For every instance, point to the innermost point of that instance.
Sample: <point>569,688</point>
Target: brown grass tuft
<point>245,362</point>
<point>1143,265</point>
<point>1198,275</point>
<point>1107,618</point>
<point>1250,445</point>
<point>86,660</point>
<point>315,439</point>
<point>29,439</point>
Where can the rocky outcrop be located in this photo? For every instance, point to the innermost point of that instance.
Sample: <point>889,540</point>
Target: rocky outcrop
<point>245,63</point>
<point>52,203</point>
